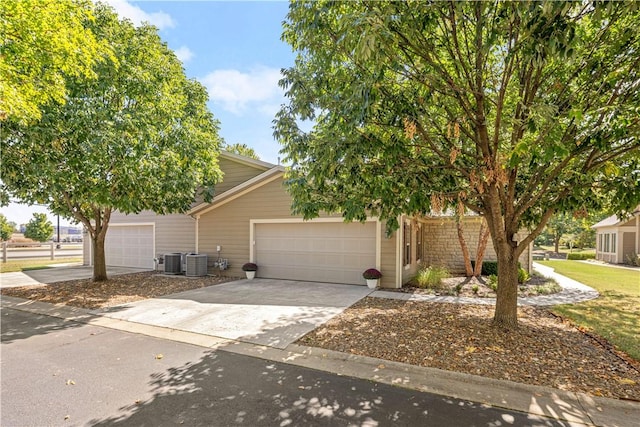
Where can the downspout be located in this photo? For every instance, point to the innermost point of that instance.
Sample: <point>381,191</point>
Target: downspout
<point>197,218</point>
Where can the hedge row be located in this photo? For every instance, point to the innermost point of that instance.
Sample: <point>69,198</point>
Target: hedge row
<point>581,256</point>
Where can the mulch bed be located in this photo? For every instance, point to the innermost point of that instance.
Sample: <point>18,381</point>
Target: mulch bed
<point>544,350</point>
<point>117,290</point>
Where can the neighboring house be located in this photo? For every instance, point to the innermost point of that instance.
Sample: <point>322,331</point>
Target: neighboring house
<point>250,219</point>
<point>618,240</point>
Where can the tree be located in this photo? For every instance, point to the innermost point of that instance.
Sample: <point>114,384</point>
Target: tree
<point>242,149</point>
<point>558,226</point>
<point>519,109</point>
<point>138,136</point>
<point>39,228</point>
<point>6,228</point>
<point>42,41</point>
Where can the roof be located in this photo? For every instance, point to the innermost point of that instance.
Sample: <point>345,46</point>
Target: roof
<point>613,220</point>
<point>246,160</point>
<point>239,190</point>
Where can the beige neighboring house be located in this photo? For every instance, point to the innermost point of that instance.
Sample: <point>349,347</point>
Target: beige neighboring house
<point>618,239</point>
<point>250,219</point>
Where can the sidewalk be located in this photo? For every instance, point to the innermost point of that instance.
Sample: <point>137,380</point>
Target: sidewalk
<point>576,409</point>
<point>572,292</point>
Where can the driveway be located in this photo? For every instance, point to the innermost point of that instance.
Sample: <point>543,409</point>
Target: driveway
<point>56,274</point>
<point>268,312</point>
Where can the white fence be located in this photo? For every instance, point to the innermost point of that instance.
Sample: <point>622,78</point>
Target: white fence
<point>48,250</point>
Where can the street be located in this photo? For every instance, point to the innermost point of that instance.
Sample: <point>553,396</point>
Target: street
<point>56,372</point>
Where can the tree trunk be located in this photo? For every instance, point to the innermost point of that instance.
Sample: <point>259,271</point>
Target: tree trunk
<point>483,239</point>
<point>506,314</point>
<point>465,250</point>
<point>556,243</point>
<point>99,260</point>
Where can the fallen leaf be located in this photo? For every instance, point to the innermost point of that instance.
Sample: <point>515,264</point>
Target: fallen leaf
<point>627,381</point>
<point>381,366</point>
<point>159,356</point>
<point>71,382</point>
<point>66,417</point>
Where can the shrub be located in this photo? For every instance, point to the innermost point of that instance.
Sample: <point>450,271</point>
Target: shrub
<point>371,274</point>
<point>493,282</point>
<point>430,277</point>
<point>523,275</point>
<point>632,259</point>
<point>475,289</point>
<point>249,267</point>
<point>578,257</point>
<point>488,267</point>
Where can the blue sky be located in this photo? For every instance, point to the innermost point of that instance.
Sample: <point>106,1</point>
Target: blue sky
<point>231,47</point>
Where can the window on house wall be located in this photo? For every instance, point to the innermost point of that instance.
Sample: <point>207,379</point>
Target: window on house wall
<point>613,242</point>
<point>407,244</point>
<point>606,242</point>
<point>599,249</point>
<point>419,240</point>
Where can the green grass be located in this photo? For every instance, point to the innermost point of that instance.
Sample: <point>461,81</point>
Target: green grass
<point>615,315</point>
<point>33,264</point>
<point>564,250</point>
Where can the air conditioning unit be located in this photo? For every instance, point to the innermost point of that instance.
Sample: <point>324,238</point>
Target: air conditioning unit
<point>173,263</point>
<point>196,265</point>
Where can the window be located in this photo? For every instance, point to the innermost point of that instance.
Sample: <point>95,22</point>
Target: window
<point>419,240</point>
<point>613,242</point>
<point>407,243</point>
<point>606,242</point>
<point>600,247</point>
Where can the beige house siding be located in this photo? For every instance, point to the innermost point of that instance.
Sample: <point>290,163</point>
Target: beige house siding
<point>173,232</point>
<point>227,226</point>
<point>235,173</point>
<point>388,258</point>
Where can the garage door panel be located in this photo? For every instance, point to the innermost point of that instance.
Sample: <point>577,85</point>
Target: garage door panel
<point>326,252</point>
<point>130,246</point>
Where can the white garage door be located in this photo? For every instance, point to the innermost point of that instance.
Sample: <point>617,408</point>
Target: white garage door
<point>334,252</point>
<point>129,246</point>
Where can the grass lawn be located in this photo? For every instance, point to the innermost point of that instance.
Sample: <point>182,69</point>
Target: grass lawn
<point>33,264</point>
<point>615,315</point>
<point>564,250</point>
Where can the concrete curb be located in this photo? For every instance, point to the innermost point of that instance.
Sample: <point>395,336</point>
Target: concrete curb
<point>542,402</point>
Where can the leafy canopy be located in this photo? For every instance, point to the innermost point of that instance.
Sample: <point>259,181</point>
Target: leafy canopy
<point>42,41</point>
<point>138,136</point>
<point>39,228</point>
<point>513,109</point>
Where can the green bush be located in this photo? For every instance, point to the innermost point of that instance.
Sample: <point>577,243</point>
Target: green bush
<point>493,282</point>
<point>488,267</point>
<point>430,277</point>
<point>523,275</point>
<point>580,256</point>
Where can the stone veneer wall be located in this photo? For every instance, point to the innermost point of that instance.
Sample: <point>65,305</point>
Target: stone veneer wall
<point>442,247</point>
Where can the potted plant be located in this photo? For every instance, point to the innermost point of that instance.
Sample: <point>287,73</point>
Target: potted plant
<point>250,270</point>
<point>371,276</point>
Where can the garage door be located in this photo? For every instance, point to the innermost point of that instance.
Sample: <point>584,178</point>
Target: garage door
<point>332,252</point>
<point>129,246</point>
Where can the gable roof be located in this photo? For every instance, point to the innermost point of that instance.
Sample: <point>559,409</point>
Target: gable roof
<point>258,164</point>
<point>614,220</point>
<point>233,193</point>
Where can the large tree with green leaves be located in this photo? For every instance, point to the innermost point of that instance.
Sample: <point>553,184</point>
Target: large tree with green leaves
<point>42,41</point>
<point>39,228</point>
<point>138,136</point>
<point>516,110</point>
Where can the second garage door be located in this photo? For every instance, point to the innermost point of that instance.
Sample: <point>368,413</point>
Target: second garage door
<point>129,246</point>
<point>334,252</point>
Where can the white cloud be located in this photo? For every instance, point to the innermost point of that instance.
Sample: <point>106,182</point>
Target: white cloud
<point>125,9</point>
<point>184,54</point>
<point>236,91</point>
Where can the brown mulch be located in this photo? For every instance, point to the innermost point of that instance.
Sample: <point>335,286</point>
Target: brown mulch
<point>478,287</point>
<point>544,350</point>
<point>117,290</point>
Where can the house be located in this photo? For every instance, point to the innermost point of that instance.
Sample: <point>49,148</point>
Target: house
<point>618,240</point>
<point>250,219</point>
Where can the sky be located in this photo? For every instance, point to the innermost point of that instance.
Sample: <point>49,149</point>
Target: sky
<point>234,49</point>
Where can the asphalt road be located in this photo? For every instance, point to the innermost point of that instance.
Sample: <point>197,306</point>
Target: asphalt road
<point>64,373</point>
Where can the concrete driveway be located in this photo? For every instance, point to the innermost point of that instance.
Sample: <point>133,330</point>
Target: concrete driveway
<point>268,312</point>
<point>56,274</point>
